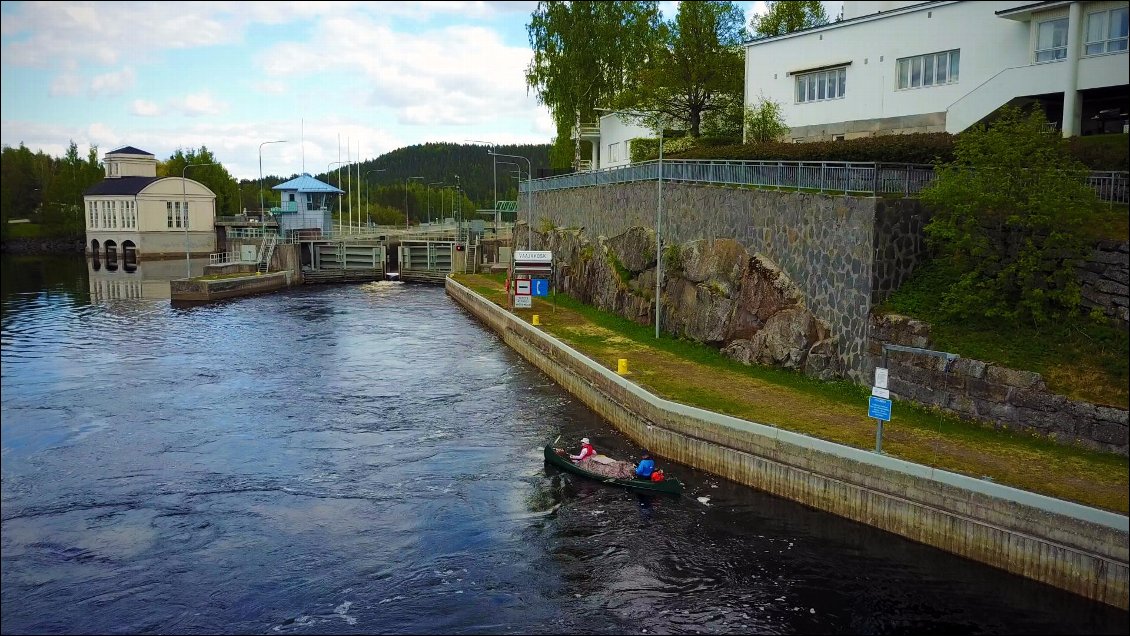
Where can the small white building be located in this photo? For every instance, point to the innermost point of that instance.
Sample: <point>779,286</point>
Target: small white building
<point>304,206</point>
<point>611,139</point>
<point>893,67</point>
<point>134,213</point>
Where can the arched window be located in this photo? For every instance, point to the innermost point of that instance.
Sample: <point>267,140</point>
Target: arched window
<point>129,256</point>
<point>111,255</point>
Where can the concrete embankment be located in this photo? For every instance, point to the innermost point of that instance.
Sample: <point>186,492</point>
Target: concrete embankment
<point>1080,549</point>
<point>203,290</point>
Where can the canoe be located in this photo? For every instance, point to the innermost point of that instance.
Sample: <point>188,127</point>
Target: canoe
<point>670,485</point>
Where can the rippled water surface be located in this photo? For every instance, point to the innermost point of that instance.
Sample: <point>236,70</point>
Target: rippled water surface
<point>367,458</point>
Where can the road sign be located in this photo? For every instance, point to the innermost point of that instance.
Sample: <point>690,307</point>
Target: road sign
<point>533,256</point>
<point>880,393</point>
<point>522,287</point>
<point>540,287</point>
<point>523,302</point>
<point>879,409</point>
<point>881,375</point>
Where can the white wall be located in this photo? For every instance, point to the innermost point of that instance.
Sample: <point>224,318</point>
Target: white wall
<point>615,131</point>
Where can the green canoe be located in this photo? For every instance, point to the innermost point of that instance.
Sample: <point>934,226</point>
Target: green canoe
<point>670,485</point>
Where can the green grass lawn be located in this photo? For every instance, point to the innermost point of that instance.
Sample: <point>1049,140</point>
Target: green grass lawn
<point>699,375</point>
<point>1078,357</point>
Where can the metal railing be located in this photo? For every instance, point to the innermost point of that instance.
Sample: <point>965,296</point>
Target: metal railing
<point>862,178</point>
<point>226,258</point>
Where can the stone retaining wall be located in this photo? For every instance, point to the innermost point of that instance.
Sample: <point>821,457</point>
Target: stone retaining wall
<point>1073,547</point>
<point>992,393</point>
<point>1106,280</point>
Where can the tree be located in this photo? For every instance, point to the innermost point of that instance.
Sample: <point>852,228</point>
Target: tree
<point>699,70</point>
<point>764,122</point>
<point>216,177</point>
<point>585,54</point>
<point>1010,214</point>
<point>786,17</point>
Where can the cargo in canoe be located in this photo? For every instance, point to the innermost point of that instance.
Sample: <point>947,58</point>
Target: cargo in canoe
<point>670,485</point>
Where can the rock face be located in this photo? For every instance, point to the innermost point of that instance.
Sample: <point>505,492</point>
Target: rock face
<point>713,292</point>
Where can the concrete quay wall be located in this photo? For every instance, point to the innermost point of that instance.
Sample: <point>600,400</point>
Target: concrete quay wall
<point>197,290</point>
<point>1073,547</point>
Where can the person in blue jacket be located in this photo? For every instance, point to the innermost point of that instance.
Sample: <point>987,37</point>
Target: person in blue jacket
<point>646,466</point>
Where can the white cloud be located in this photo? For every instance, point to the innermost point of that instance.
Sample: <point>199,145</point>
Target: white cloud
<point>145,108</point>
<point>197,104</point>
<point>113,83</point>
<point>66,85</point>
<point>271,87</point>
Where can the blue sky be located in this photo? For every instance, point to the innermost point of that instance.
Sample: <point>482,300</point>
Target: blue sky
<point>230,75</point>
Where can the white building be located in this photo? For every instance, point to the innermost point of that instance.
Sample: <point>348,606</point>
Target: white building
<point>611,139</point>
<point>135,213</point>
<point>893,67</point>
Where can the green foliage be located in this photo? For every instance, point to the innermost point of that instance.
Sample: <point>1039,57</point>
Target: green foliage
<point>622,272</point>
<point>672,259</point>
<point>216,177</point>
<point>764,122</point>
<point>1083,357</point>
<point>1102,152</point>
<point>697,71</point>
<point>1010,215</point>
<point>46,189</point>
<point>913,148</point>
<point>584,56</point>
<point>786,17</point>
<point>545,225</point>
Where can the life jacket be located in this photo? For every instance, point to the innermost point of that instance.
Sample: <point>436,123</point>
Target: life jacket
<point>657,475</point>
<point>590,451</point>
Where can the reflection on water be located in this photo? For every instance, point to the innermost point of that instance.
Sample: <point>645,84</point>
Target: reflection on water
<point>138,279</point>
<point>367,458</point>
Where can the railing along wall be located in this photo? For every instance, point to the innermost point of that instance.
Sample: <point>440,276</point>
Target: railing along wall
<point>862,178</point>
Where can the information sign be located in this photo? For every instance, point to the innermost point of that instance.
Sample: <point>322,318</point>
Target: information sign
<point>881,377</point>
<point>523,302</point>
<point>880,393</point>
<point>540,287</point>
<point>533,256</point>
<point>879,409</point>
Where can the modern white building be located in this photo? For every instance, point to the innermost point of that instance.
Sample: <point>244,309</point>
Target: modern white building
<point>611,139</point>
<point>135,213</point>
<point>304,206</point>
<point>900,67</point>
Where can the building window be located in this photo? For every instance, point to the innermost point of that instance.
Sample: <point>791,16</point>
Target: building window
<point>821,85</point>
<point>169,211</point>
<point>1051,40</point>
<point>105,214</point>
<point>176,209</point>
<point>92,214</point>
<point>114,214</point>
<point>1106,31</point>
<point>186,214</point>
<point>613,152</point>
<point>932,69</point>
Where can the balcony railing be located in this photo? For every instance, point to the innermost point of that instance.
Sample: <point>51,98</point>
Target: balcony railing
<point>859,178</point>
<point>586,131</point>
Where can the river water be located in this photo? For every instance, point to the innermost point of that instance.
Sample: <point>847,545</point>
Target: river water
<point>367,458</point>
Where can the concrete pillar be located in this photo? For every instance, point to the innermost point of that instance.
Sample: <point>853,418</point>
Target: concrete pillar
<point>1072,102</point>
<point>596,154</point>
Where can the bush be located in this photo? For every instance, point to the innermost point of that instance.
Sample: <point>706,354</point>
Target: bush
<point>764,122</point>
<point>1102,152</point>
<point>913,148</point>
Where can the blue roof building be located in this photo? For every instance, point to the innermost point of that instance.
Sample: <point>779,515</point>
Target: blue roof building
<point>304,205</point>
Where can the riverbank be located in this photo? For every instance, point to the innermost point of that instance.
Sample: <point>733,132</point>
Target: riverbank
<point>38,245</point>
<point>1078,548</point>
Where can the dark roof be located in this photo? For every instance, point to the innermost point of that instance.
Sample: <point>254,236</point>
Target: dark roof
<point>120,185</point>
<point>128,150</point>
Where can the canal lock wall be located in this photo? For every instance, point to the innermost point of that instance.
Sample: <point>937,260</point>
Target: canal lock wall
<point>1069,546</point>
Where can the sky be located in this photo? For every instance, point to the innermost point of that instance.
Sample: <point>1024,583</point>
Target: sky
<point>230,75</point>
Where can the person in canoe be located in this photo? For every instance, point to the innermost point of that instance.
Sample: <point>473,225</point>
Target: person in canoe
<point>587,451</point>
<point>646,466</point>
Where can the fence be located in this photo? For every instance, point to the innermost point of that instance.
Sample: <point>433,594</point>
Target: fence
<point>863,178</point>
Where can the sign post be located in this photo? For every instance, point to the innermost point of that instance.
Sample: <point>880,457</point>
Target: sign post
<point>530,272</point>
<point>879,405</point>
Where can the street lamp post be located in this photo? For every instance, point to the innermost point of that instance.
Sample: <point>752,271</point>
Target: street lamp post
<point>184,199</point>
<point>406,199</point>
<point>368,216</point>
<point>280,141</point>
<point>328,166</point>
<point>529,196</point>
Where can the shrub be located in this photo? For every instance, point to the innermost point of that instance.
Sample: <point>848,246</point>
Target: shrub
<point>1102,152</point>
<point>764,122</point>
<point>912,148</point>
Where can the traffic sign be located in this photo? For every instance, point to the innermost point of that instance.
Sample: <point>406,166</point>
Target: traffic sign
<point>879,409</point>
<point>522,287</point>
<point>540,287</point>
<point>523,302</point>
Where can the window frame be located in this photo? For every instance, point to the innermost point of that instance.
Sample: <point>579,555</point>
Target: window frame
<point>1059,52</point>
<point>912,63</point>
<point>1106,39</point>
<point>818,85</point>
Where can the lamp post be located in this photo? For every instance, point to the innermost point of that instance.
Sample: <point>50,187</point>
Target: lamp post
<point>406,200</point>
<point>368,217</point>
<point>328,166</point>
<point>280,141</point>
<point>184,199</point>
<point>529,195</point>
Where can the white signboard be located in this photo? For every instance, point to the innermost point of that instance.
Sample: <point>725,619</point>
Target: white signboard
<point>522,287</point>
<point>881,377</point>
<point>533,256</point>
<point>523,302</point>
<point>881,393</point>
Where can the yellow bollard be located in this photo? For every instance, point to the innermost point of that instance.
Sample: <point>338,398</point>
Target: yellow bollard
<point>622,366</point>
<point>537,320</point>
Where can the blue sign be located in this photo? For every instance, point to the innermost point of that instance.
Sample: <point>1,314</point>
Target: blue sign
<point>539,287</point>
<point>879,409</point>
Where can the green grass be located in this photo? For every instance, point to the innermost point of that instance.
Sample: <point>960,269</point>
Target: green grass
<point>1078,357</point>
<point>1111,223</point>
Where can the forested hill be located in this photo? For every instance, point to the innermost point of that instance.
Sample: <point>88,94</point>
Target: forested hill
<point>437,162</point>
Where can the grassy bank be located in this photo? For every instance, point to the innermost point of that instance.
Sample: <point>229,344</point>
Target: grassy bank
<point>699,375</point>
